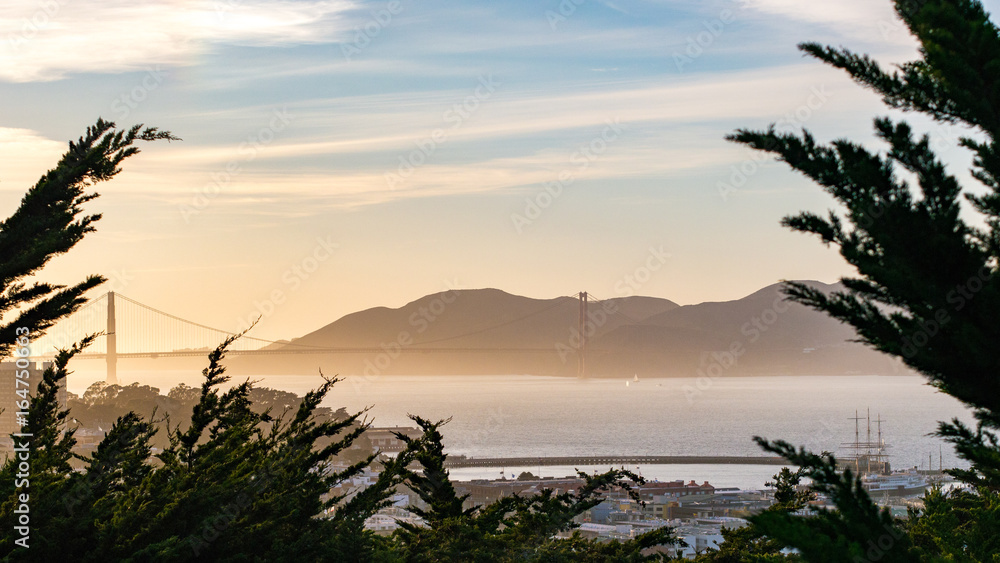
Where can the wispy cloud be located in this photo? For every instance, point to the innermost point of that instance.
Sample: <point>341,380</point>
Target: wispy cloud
<point>228,65</point>
<point>25,155</point>
<point>393,122</point>
<point>849,17</point>
<point>865,24</point>
<point>341,149</point>
<point>49,40</point>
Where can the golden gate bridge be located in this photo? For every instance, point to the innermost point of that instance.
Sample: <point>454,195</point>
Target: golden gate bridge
<point>130,329</point>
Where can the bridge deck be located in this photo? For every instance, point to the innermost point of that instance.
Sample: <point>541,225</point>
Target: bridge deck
<point>316,351</point>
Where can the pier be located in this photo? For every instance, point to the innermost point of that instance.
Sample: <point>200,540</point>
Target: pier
<point>459,461</point>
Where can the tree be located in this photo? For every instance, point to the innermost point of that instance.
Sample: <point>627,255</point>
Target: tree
<point>927,289</point>
<point>231,479</point>
<point>234,478</point>
<point>749,543</point>
<point>787,492</point>
<point>514,528</point>
<point>239,481</point>
<point>102,403</point>
<point>50,221</point>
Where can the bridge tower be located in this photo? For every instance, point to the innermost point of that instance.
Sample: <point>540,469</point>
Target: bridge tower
<point>582,352</point>
<point>112,342</point>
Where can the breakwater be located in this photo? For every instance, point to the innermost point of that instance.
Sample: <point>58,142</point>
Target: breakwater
<point>457,461</point>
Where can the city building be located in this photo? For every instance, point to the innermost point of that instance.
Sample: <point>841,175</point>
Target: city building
<point>10,396</point>
<point>384,439</point>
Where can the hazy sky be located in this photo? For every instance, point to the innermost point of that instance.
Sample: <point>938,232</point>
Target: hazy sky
<point>343,155</point>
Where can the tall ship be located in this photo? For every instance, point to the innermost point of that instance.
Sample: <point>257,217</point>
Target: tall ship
<point>868,458</point>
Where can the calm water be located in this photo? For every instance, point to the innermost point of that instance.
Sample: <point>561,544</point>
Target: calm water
<point>538,416</point>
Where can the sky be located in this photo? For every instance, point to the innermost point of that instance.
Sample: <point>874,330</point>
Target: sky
<point>342,155</point>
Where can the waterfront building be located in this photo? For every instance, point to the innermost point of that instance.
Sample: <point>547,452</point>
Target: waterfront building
<point>703,536</point>
<point>487,491</point>
<point>675,490</point>
<point>387,520</point>
<point>383,439</point>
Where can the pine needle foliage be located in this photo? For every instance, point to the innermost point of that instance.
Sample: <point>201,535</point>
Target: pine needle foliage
<point>514,528</point>
<point>235,485</point>
<point>50,220</point>
<point>926,250</point>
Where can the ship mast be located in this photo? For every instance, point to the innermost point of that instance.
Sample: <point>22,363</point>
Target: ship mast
<point>880,456</point>
<point>868,441</point>
<point>857,442</point>
<point>872,450</point>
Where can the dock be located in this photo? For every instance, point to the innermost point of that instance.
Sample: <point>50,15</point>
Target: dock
<point>459,461</point>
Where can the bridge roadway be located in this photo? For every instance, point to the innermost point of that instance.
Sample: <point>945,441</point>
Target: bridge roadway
<point>282,351</point>
<point>611,460</point>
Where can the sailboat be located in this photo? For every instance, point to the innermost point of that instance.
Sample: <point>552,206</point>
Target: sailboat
<point>869,460</point>
<point>635,378</point>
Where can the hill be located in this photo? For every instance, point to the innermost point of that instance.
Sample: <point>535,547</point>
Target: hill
<point>764,332</point>
<point>489,331</point>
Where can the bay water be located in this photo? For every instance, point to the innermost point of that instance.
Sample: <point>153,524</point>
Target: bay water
<point>537,416</point>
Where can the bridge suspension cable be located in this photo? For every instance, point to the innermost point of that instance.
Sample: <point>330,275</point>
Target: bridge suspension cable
<point>133,329</point>
<point>90,318</point>
<point>186,333</point>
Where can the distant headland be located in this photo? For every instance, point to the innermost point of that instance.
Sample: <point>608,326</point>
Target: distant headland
<point>489,331</point>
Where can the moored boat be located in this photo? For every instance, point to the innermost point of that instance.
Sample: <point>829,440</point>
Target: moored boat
<point>896,484</point>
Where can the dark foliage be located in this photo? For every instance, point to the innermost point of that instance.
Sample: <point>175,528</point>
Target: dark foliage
<point>248,474</point>
<point>50,221</point>
<point>927,289</point>
<point>515,528</point>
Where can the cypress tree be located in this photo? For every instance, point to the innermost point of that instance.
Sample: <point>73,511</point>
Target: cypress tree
<point>49,221</point>
<point>927,289</point>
